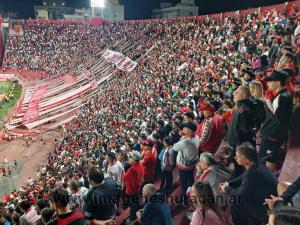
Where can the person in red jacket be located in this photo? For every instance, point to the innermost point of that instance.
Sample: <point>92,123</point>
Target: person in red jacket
<point>132,180</point>
<point>211,131</point>
<point>148,162</point>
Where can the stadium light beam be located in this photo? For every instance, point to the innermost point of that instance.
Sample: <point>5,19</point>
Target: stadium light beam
<point>97,4</point>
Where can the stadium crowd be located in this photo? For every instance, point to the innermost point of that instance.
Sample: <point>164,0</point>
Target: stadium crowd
<point>197,107</point>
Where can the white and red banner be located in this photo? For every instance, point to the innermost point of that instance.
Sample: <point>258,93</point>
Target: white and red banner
<point>121,61</point>
<point>32,112</point>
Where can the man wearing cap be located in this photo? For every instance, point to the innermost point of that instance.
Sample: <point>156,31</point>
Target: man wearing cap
<point>132,180</point>
<point>187,158</point>
<point>211,130</point>
<point>241,127</point>
<point>274,130</point>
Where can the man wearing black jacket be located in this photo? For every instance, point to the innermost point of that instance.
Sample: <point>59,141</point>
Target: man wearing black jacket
<point>251,189</point>
<point>274,130</point>
<point>241,127</point>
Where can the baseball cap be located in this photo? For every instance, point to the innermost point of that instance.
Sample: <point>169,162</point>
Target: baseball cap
<point>190,126</point>
<point>207,107</point>
<point>135,155</point>
<point>277,76</point>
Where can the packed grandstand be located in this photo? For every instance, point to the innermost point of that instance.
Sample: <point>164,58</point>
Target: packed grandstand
<point>186,116</point>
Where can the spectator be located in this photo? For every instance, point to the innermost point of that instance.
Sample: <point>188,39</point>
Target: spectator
<point>211,130</point>
<point>241,127</point>
<point>155,210</point>
<point>149,163</point>
<point>65,215</point>
<point>281,108</point>
<point>48,216</point>
<point>210,172</point>
<point>115,168</point>
<point>257,97</point>
<point>39,206</point>
<point>16,219</point>
<point>132,180</point>
<point>187,158</point>
<point>250,189</point>
<point>207,211</point>
<point>168,164</point>
<point>29,211</point>
<point>100,201</point>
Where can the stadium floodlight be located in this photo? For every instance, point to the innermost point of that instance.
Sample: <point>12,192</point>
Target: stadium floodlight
<point>97,4</point>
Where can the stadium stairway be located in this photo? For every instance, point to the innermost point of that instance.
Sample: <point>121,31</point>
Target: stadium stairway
<point>178,213</point>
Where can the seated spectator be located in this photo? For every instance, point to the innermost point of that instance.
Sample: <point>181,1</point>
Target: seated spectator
<point>210,172</point>
<point>211,131</point>
<point>250,189</point>
<point>207,211</point>
<point>155,210</point>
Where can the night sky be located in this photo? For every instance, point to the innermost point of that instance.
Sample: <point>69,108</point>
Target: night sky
<point>139,9</point>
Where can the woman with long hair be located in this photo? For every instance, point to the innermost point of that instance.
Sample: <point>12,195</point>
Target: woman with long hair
<point>207,212</point>
<point>256,89</point>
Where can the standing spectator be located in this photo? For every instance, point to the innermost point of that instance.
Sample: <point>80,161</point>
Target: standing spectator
<point>168,163</point>
<point>132,180</point>
<point>148,162</point>
<point>275,130</point>
<point>115,168</point>
<point>257,97</point>
<point>250,189</point>
<point>100,201</point>
<point>241,127</point>
<point>295,122</point>
<point>187,158</point>
<point>65,215</point>
<point>211,130</point>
